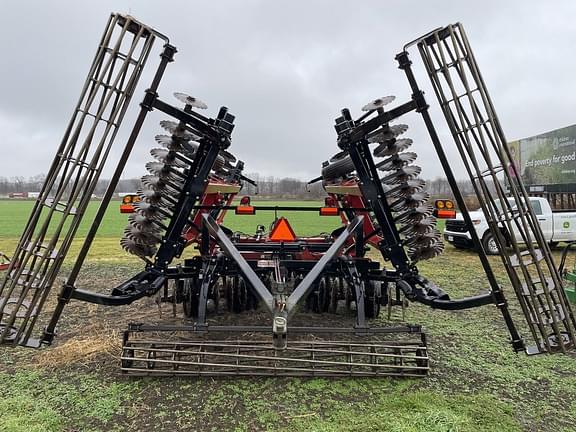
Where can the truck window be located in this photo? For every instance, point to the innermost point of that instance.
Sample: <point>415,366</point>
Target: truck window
<point>536,206</point>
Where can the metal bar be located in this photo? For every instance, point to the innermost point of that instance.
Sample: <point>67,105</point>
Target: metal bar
<point>197,121</point>
<point>306,285</point>
<point>364,129</point>
<point>228,247</point>
<point>276,208</point>
<point>138,328</point>
<point>209,270</point>
<point>373,192</point>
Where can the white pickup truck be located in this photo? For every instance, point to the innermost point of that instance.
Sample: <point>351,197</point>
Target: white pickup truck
<point>556,226</point>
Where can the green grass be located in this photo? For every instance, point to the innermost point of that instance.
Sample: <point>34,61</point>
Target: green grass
<point>476,382</point>
<point>35,402</point>
<point>15,213</point>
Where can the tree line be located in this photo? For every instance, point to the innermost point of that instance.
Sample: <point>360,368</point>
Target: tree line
<point>269,187</point>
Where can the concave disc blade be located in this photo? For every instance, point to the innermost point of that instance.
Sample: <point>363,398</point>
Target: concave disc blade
<point>378,103</point>
<point>190,100</point>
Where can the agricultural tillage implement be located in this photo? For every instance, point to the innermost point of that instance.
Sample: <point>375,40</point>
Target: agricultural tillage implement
<point>276,279</point>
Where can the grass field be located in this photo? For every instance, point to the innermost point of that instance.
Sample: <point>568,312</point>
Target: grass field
<point>14,215</point>
<point>476,383</point>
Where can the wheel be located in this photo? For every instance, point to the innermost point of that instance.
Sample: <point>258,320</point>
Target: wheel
<point>489,245</point>
<point>239,297</point>
<point>229,292</point>
<point>252,300</point>
<point>313,301</point>
<point>553,244</point>
<point>333,287</point>
<point>191,294</point>
<point>236,298</point>
<point>324,295</point>
<point>319,299</point>
<point>371,300</point>
<point>384,293</point>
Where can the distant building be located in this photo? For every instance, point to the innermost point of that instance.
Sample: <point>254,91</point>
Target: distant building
<point>18,195</point>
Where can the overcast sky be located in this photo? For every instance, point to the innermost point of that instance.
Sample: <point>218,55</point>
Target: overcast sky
<point>284,68</point>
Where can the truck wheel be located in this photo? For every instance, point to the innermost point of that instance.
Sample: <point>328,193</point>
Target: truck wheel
<point>490,245</point>
<point>553,244</point>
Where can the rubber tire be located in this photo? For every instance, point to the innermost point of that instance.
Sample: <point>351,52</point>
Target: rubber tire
<point>489,244</point>
<point>553,244</point>
<point>371,302</point>
<point>191,292</point>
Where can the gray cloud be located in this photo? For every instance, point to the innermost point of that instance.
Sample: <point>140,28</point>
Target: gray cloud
<point>284,68</point>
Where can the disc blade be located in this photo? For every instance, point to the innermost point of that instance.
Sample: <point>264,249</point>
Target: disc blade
<point>190,100</point>
<point>378,103</point>
<point>404,189</point>
<point>397,161</point>
<point>402,175</point>
<point>174,128</point>
<point>388,133</point>
<point>227,156</point>
<point>158,183</point>
<point>144,223</point>
<point>422,241</point>
<point>427,253</point>
<point>411,201</point>
<point>144,237</point>
<point>129,245</point>
<point>169,142</point>
<point>392,147</point>
<point>168,157</point>
<point>165,172</point>
<point>415,215</point>
<point>151,211</point>
<point>421,227</point>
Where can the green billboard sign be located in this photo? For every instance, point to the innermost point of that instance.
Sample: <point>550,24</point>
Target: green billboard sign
<point>545,159</point>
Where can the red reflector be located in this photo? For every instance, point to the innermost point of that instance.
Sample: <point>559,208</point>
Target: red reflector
<point>329,211</point>
<point>282,231</point>
<point>245,210</point>
<point>445,214</point>
<point>126,208</point>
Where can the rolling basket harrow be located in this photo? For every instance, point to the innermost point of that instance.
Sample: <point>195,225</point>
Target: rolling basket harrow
<point>275,278</point>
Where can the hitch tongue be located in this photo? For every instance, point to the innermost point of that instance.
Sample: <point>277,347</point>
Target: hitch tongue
<point>279,330</point>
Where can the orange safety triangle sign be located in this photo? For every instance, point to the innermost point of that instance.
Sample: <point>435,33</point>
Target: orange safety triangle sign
<point>282,231</point>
